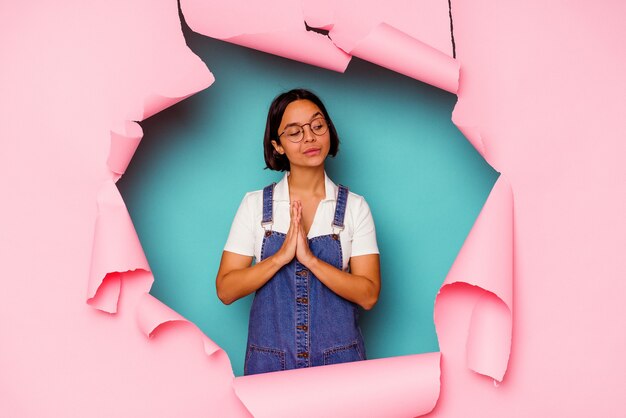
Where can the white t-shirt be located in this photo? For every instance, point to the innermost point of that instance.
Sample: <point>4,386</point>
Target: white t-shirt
<point>357,238</point>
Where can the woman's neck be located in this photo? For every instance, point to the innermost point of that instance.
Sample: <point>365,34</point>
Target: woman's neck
<point>307,181</point>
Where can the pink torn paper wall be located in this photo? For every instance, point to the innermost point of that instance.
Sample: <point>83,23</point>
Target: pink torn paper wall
<point>412,38</point>
<point>408,37</point>
<point>350,21</point>
<point>398,386</point>
<point>74,78</point>
<point>545,108</point>
<point>486,263</point>
<point>123,146</point>
<point>152,314</point>
<point>399,52</point>
<point>543,94</point>
<point>277,28</point>
<point>116,249</point>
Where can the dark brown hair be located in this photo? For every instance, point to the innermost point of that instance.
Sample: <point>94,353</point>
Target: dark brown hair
<point>274,160</point>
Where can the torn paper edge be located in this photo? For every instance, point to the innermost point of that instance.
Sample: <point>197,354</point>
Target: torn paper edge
<point>151,314</point>
<point>116,249</point>
<point>492,233</point>
<point>124,143</point>
<point>395,386</point>
<point>417,59</point>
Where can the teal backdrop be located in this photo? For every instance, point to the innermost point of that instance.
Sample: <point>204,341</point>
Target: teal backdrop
<point>423,180</point>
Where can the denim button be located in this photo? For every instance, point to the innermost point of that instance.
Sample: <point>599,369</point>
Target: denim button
<point>268,233</point>
<point>302,300</point>
<point>303,327</point>
<point>335,237</point>
<point>303,355</point>
<point>302,273</point>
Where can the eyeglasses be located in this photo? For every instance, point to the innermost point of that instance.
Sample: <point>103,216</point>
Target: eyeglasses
<point>295,133</point>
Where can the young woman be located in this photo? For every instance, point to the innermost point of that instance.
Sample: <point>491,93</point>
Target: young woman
<point>314,244</point>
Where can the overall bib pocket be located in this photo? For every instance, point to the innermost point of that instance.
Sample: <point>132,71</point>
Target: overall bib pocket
<point>343,354</point>
<point>263,360</point>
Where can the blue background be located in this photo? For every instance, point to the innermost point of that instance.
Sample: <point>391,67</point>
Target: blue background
<point>424,182</point>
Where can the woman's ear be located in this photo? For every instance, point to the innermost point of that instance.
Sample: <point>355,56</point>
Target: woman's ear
<point>279,148</point>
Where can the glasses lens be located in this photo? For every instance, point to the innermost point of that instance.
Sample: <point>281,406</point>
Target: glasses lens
<point>293,133</point>
<point>319,126</point>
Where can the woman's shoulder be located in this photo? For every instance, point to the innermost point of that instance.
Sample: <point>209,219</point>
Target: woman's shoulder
<point>253,198</point>
<point>356,203</point>
<point>353,196</point>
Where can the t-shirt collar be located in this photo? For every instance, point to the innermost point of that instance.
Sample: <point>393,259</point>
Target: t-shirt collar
<point>281,190</point>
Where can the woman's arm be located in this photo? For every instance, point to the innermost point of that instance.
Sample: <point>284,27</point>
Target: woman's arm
<point>361,285</point>
<point>236,277</point>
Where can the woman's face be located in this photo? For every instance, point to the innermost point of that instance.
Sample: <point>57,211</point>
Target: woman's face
<point>312,150</point>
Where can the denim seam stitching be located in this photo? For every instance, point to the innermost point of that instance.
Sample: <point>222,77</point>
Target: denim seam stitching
<point>307,318</point>
<point>344,347</point>
<point>268,350</point>
<point>334,350</point>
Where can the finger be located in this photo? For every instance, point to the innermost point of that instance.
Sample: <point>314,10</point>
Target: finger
<point>302,230</point>
<point>290,213</point>
<point>296,227</point>
<point>298,213</point>
<point>299,237</point>
<point>295,218</point>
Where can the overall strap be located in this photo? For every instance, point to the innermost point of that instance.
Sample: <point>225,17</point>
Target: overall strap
<point>340,209</point>
<point>268,194</point>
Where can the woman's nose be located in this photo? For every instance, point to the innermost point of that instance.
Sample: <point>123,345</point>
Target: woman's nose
<point>307,133</point>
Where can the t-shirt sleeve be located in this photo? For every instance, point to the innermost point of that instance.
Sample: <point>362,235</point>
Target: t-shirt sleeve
<point>364,238</point>
<point>241,237</point>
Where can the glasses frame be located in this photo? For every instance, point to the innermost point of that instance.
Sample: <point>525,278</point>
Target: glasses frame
<point>302,129</point>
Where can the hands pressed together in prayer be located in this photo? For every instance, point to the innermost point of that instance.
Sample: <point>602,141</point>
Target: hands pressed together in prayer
<point>237,277</point>
<point>296,243</point>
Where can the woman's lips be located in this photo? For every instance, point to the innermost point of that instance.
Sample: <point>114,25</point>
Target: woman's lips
<point>311,152</point>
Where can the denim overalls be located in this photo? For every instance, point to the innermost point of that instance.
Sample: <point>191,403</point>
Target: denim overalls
<point>295,320</point>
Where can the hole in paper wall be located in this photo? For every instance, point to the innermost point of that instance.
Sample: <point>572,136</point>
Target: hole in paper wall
<point>423,180</point>
<point>324,32</point>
